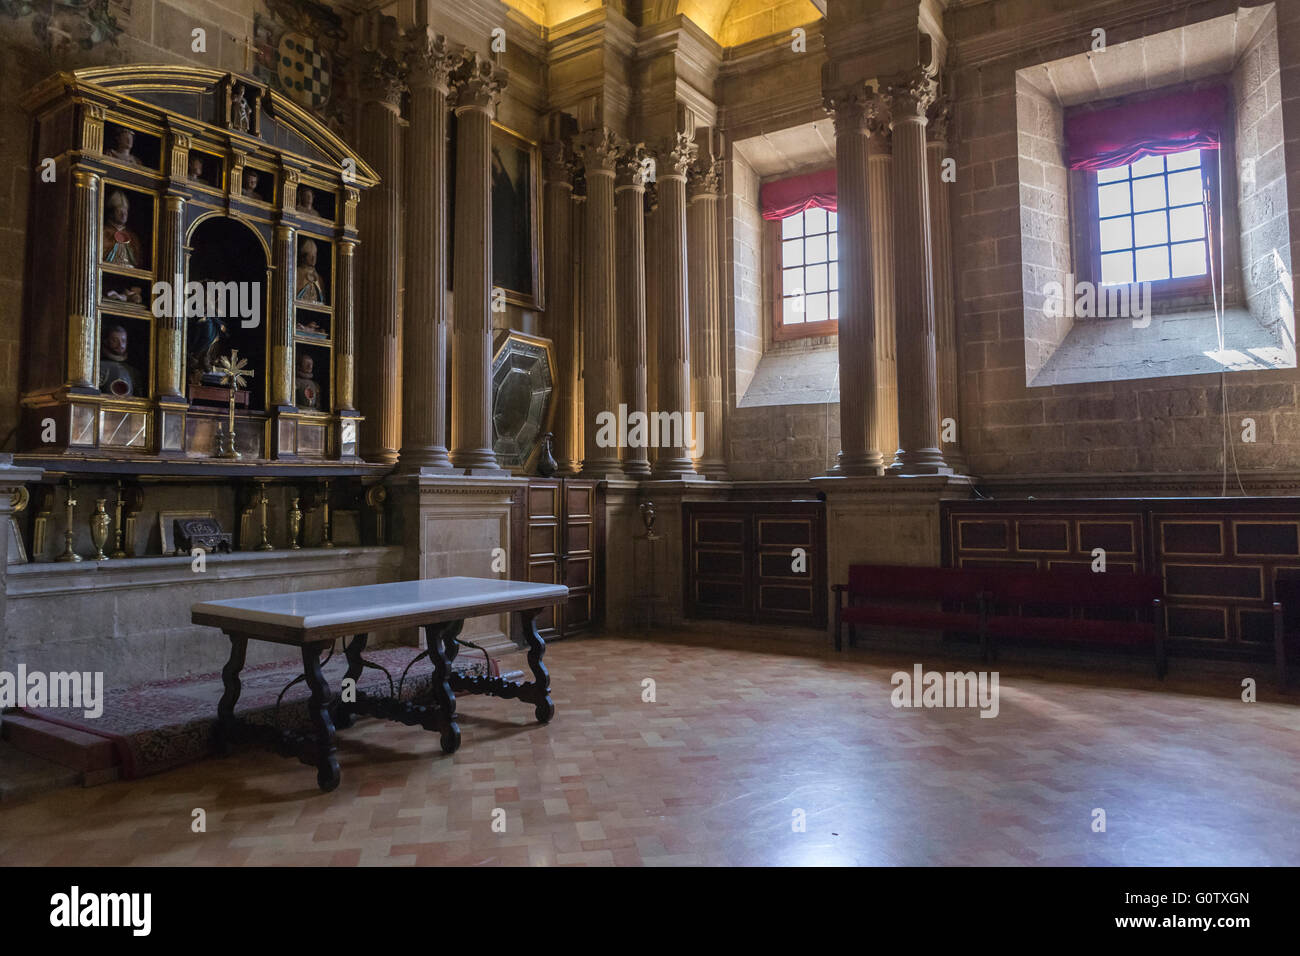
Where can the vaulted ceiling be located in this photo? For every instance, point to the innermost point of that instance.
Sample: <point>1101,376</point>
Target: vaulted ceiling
<point>729,22</point>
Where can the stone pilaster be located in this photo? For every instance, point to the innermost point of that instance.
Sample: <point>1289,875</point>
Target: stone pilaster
<point>83,336</point>
<point>380,367</point>
<point>652,298</point>
<point>704,185</point>
<point>345,338</point>
<point>578,283</point>
<point>918,421</point>
<point>859,442</point>
<point>171,326</point>
<point>947,345</point>
<point>424,320</point>
<point>284,254</point>
<point>880,186</point>
<point>673,160</point>
<point>630,199</point>
<point>561,317</point>
<point>599,150</point>
<point>478,84</point>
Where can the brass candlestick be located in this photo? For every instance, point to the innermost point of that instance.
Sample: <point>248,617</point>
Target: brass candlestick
<point>117,525</point>
<point>99,522</point>
<point>295,525</point>
<point>325,517</point>
<point>68,554</point>
<point>266,540</point>
<point>234,373</point>
<point>375,497</point>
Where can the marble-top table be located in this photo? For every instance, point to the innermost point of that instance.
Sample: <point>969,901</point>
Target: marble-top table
<point>314,619</point>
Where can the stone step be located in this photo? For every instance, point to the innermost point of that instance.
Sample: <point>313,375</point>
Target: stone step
<point>91,757</point>
<point>24,775</point>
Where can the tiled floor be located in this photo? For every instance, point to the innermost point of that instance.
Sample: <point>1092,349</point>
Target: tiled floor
<point>715,769</point>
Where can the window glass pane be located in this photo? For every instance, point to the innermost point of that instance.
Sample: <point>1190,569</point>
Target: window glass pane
<point>1148,193</point>
<point>1185,160</point>
<point>1185,187</point>
<point>1189,259</point>
<point>832,221</point>
<point>1117,267</point>
<point>1152,264</point>
<point>1112,175</point>
<point>792,310</point>
<point>815,278</point>
<point>1113,200</point>
<point>815,249</point>
<point>792,252</point>
<point>817,308</point>
<point>792,226</point>
<point>791,281</point>
<point>1116,234</point>
<point>835,275</point>
<point>835,305</point>
<point>814,220</point>
<point>1187,222</point>
<point>1150,229</point>
<point>833,246</point>
<point>1148,166</point>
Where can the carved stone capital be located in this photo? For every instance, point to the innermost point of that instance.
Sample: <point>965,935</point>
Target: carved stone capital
<point>557,162</point>
<point>477,82</point>
<point>429,59</point>
<point>940,126</point>
<point>635,165</point>
<point>382,79</point>
<point>599,149</point>
<point>849,107</point>
<point>651,198</point>
<point>675,156</point>
<point>910,94</point>
<point>704,178</point>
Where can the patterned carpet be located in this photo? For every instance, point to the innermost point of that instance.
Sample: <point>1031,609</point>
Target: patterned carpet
<point>165,724</point>
<point>738,739</point>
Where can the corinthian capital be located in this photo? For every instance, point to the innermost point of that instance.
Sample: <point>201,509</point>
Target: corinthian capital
<point>910,94</point>
<point>557,162</point>
<point>599,149</point>
<point>849,106</point>
<point>705,177</point>
<point>634,165</point>
<point>382,78</point>
<point>477,82</point>
<point>940,125</point>
<point>429,60</point>
<point>675,156</point>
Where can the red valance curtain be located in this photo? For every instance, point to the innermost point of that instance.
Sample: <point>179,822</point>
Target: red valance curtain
<point>1189,119</point>
<point>785,197</point>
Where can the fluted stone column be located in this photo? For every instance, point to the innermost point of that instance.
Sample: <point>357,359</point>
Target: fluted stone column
<point>83,337</point>
<point>599,150</point>
<point>345,339</point>
<point>171,325</point>
<point>945,305</point>
<point>672,162</point>
<point>629,192</point>
<point>380,368</point>
<point>918,420</point>
<point>578,283</point>
<point>557,220</point>
<point>424,318</point>
<point>478,84</point>
<point>284,253</point>
<point>704,182</point>
<point>880,186</point>
<point>859,443</point>
<point>652,297</point>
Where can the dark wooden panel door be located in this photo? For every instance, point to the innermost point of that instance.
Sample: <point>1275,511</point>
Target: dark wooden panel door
<point>558,529</point>
<point>578,559</point>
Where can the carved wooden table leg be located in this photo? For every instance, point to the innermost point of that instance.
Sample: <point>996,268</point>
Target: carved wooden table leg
<point>318,708</point>
<point>439,636</point>
<point>225,730</point>
<point>345,713</point>
<point>540,691</point>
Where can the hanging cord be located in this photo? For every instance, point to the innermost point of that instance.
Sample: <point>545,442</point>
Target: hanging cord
<point>1218,296</point>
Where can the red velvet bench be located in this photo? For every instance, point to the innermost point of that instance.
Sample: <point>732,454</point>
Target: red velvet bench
<point>907,597</point>
<point>1040,606</point>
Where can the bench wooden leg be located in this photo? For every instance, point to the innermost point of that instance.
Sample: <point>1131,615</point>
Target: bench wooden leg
<point>225,730</point>
<point>438,636</point>
<point>540,692</point>
<point>318,709</point>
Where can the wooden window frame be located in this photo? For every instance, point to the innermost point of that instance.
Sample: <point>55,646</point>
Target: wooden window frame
<point>780,331</point>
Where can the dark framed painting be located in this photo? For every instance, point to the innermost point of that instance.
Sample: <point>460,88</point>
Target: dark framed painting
<point>517,217</point>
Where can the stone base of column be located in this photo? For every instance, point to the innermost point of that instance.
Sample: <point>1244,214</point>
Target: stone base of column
<point>713,469</point>
<point>424,460</point>
<point>637,468</point>
<point>867,463</point>
<point>477,461</point>
<point>676,469</point>
<point>922,461</point>
<point>602,468</point>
